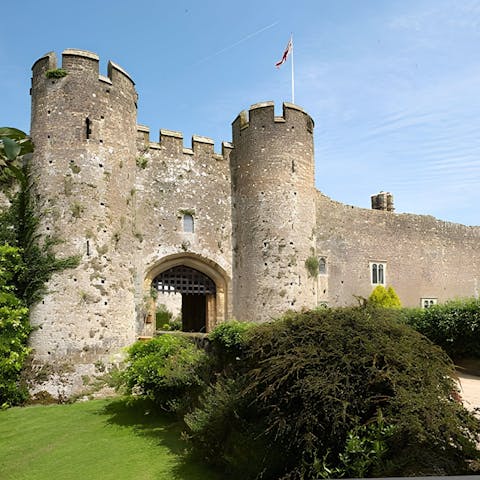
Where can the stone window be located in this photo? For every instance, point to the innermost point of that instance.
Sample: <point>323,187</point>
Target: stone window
<point>427,302</point>
<point>378,272</point>
<point>188,224</point>
<point>322,266</point>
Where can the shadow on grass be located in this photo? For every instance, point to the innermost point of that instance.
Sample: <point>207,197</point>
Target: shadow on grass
<point>146,419</point>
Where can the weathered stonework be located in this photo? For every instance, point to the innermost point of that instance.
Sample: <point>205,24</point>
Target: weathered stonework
<point>424,257</point>
<point>120,201</point>
<point>273,213</point>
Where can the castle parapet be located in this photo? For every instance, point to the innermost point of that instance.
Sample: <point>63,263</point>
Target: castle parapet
<point>202,144</point>
<point>172,141</point>
<point>82,62</point>
<point>261,116</point>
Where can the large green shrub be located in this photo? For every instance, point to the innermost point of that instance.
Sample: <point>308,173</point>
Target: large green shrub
<point>15,148</point>
<point>19,228</point>
<point>14,329</point>
<point>169,369</point>
<point>225,433</point>
<point>336,392</point>
<point>454,325</point>
<point>19,222</point>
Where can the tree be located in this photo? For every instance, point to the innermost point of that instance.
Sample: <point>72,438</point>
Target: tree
<point>14,328</point>
<point>384,297</point>
<point>15,149</point>
<point>345,392</point>
<point>19,222</point>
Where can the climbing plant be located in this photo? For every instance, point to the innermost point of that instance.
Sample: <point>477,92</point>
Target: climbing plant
<point>312,264</point>
<point>26,261</point>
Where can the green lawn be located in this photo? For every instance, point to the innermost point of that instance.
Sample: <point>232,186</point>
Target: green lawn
<point>100,439</point>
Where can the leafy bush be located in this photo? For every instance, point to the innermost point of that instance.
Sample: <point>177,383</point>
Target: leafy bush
<point>224,432</point>
<point>347,391</point>
<point>15,148</point>
<point>167,369</point>
<point>176,323</point>
<point>165,319</point>
<point>229,339</point>
<point>384,297</point>
<point>163,315</point>
<point>363,447</point>
<point>455,326</point>
<point>19,222</point>
<point>14,330</point>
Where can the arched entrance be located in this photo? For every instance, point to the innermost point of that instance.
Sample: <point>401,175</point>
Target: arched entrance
<point>202,284</point>
<point>198,293</point>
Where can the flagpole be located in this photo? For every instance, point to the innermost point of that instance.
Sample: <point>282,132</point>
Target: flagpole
<point>293,76</point>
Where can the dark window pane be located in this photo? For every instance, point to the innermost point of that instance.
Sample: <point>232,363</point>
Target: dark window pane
<point>381,278</point>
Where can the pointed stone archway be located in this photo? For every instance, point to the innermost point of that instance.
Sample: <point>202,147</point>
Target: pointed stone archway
<point>202,283</point>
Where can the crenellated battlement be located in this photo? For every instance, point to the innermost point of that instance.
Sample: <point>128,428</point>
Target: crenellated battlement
<point>261,116</point>
<point>82,62</point>
<point>173,142</point>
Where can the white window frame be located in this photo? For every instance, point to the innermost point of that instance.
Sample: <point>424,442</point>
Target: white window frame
<point>376,265</point>
<point>427,302</point>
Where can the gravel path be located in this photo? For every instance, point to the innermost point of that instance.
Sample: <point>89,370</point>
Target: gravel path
<point>470,390</point>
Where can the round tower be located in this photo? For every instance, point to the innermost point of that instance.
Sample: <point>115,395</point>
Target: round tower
<point>84,128</point>
<point>273,212</point>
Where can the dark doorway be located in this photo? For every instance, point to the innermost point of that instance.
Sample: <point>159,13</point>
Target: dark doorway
<point>195,288</point>
<point>194,312</point>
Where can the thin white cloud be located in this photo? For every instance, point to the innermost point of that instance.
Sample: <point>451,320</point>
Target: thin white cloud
<point>233,45</point>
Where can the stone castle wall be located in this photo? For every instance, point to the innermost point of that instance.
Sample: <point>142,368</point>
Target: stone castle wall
<point>425,257</point>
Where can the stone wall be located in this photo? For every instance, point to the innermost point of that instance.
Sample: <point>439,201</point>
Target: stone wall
<point>425,257</point>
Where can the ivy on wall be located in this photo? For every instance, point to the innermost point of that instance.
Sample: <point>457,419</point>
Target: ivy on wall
<point>26,262</point>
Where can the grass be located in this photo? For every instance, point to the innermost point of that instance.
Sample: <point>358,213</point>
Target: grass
<point>100,439</point>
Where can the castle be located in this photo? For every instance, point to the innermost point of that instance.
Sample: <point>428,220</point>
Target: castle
<point>241,234</point>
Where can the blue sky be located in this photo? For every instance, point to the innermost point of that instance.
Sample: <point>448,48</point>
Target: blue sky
<point>393,85</point>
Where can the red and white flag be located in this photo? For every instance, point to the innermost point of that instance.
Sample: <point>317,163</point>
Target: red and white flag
<point>286,53</point>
